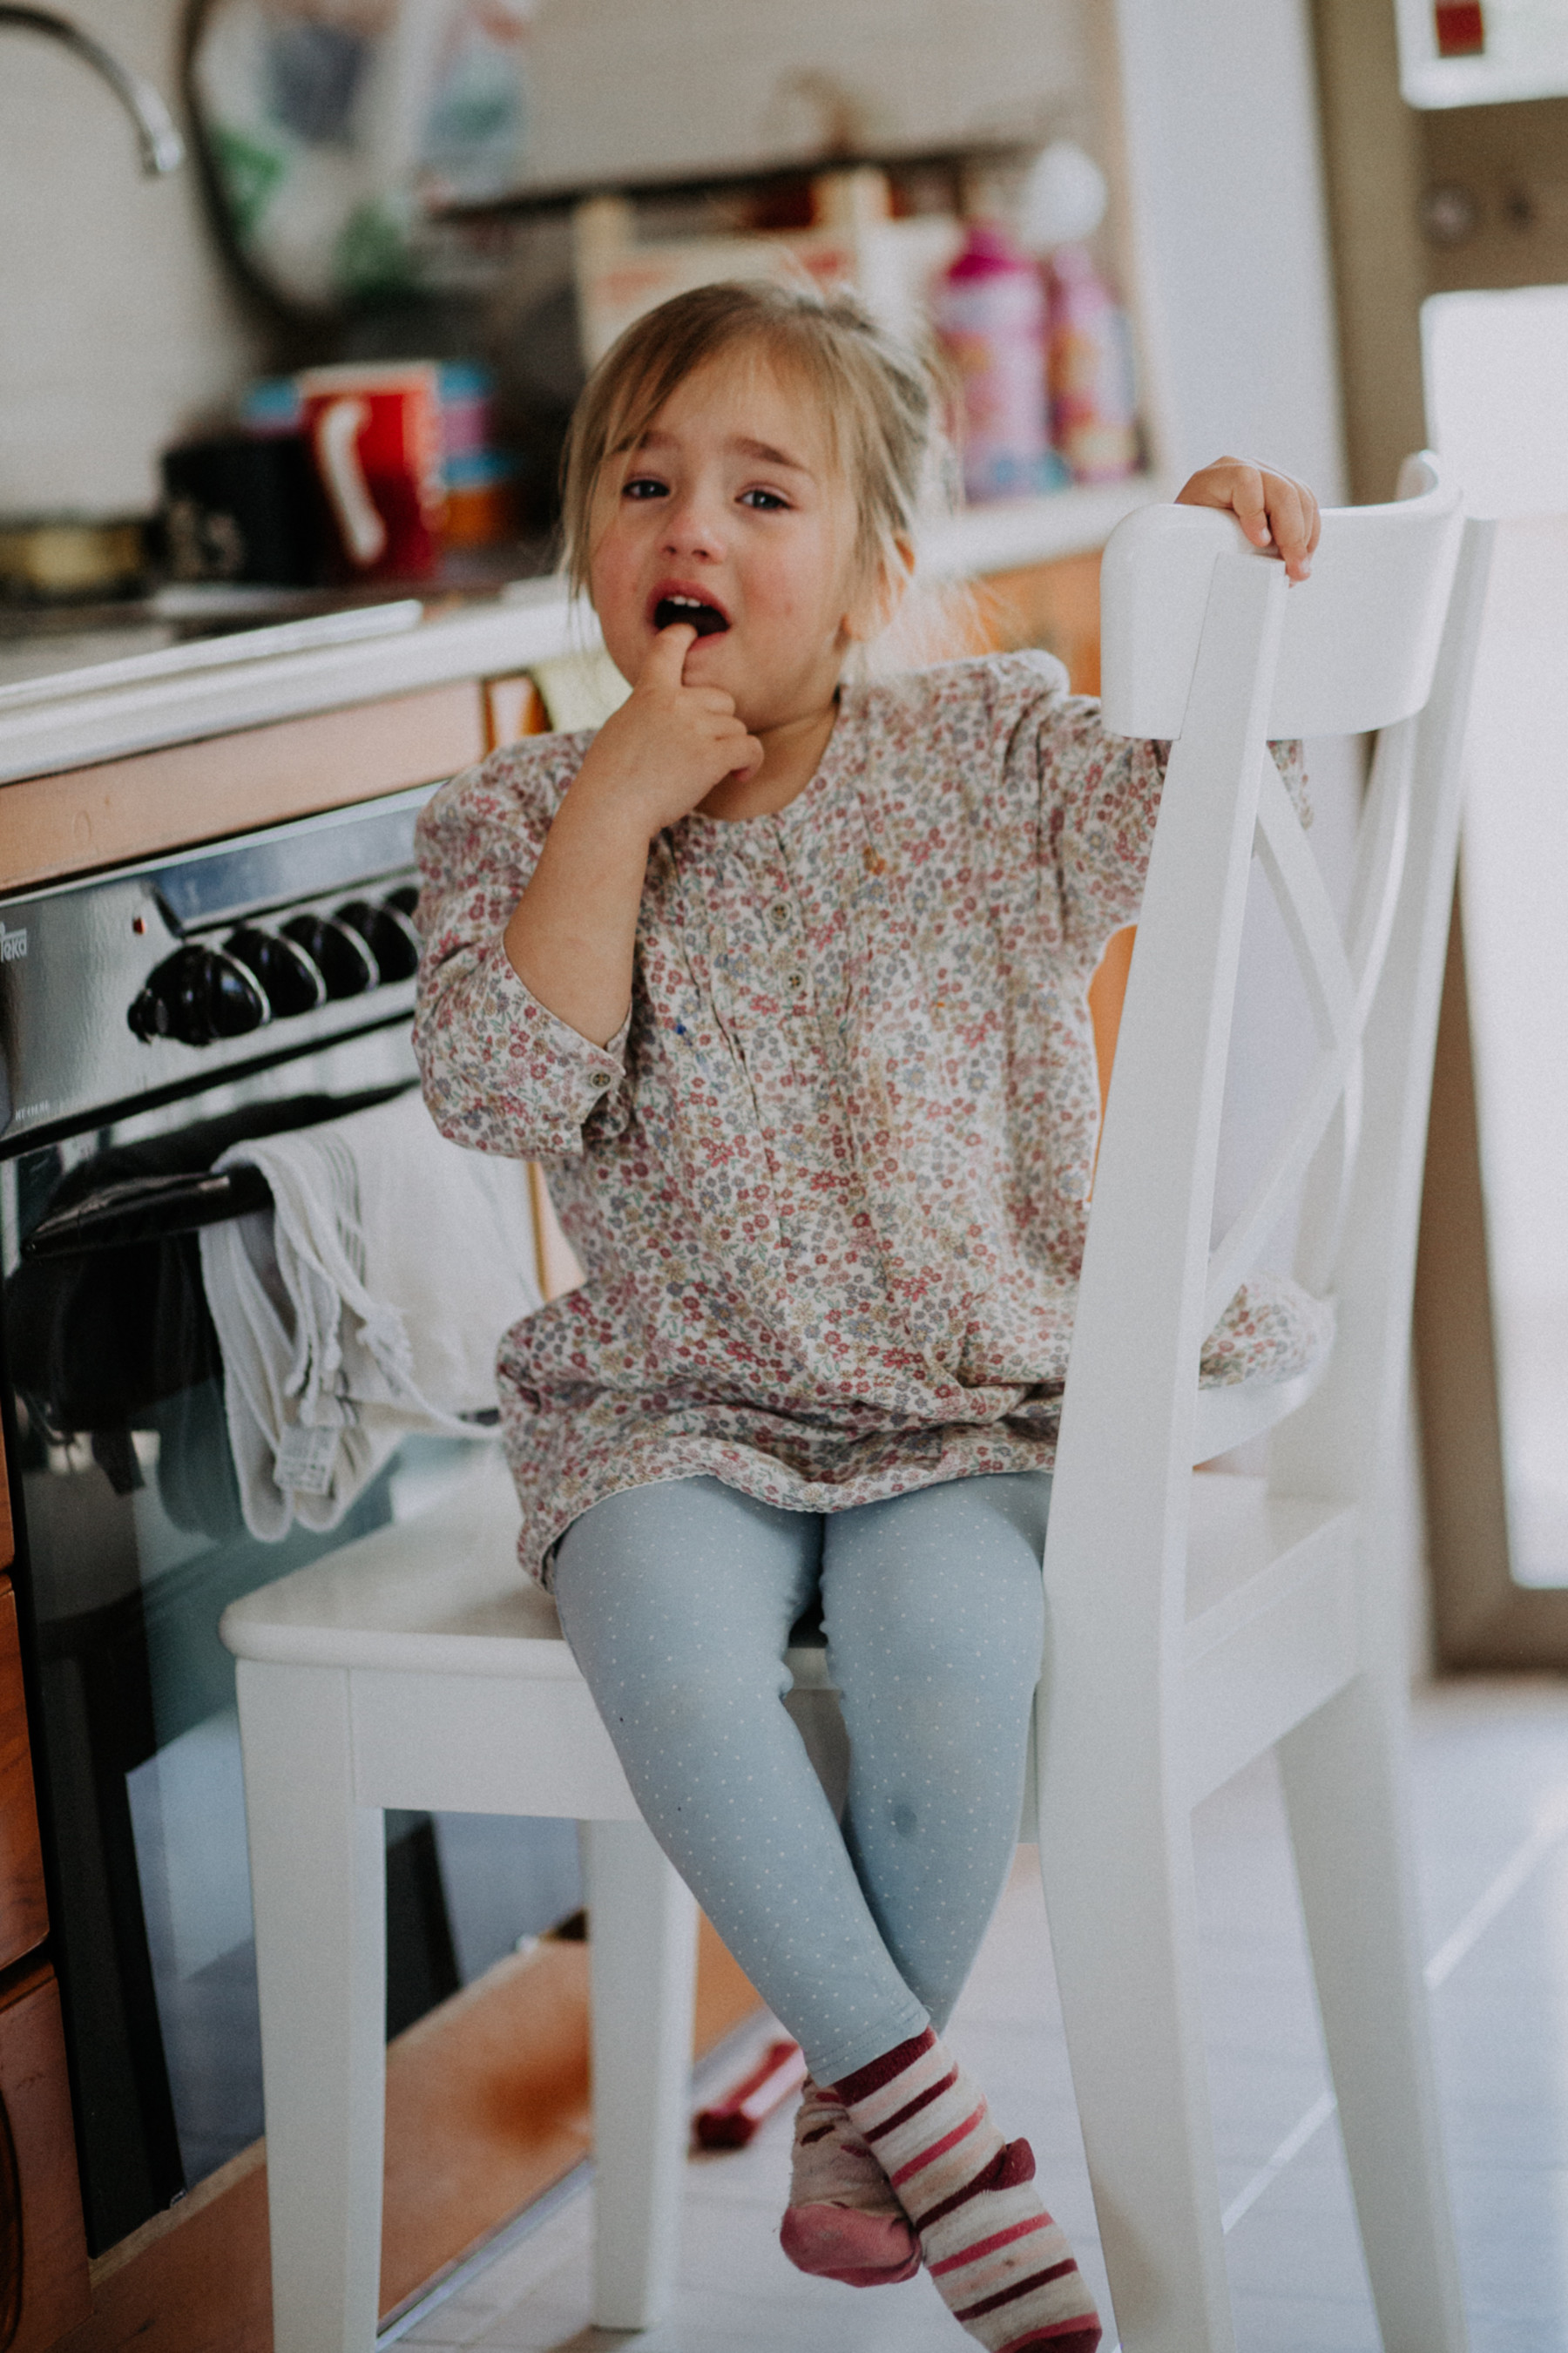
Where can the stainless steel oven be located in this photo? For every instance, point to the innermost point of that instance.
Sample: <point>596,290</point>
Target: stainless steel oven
<point>148,1018</point>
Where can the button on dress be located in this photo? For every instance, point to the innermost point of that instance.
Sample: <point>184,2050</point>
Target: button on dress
<point>828,1184</point>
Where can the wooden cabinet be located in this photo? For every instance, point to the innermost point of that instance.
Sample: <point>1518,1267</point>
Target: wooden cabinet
<point>44,2288</point>
<point>514,708</point>
<point>43,2247</point>
<point>120,809</point>
<point>1054,605</point>
<point>23,1914</point>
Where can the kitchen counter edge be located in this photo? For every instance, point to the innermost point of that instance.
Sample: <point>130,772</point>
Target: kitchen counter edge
<point>488,640</point>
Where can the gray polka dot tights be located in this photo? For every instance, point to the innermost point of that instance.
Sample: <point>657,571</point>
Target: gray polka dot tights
<point>677,1602</point>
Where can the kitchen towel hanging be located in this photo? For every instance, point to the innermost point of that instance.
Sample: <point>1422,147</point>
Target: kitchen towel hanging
<point>369,1300</point>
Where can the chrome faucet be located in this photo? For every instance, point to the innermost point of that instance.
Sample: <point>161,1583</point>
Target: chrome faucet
<point>163,149</point>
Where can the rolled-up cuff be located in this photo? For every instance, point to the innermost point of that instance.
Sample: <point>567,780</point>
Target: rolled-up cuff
<point>583,1076</point>
<point>505,1073</point>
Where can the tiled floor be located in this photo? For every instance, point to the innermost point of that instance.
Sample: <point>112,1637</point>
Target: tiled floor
<point>1492,1830</point>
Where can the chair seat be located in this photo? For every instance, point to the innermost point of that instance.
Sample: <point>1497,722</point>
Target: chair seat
<point>1264,1358</point>
<point>440,1593</point>
<point>440,1598</point>
<point>1230,1413</point>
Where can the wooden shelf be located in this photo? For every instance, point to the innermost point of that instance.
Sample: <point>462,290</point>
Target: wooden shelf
<point>721,179</point>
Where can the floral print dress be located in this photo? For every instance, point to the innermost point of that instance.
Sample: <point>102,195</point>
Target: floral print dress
<point>829,1183</point>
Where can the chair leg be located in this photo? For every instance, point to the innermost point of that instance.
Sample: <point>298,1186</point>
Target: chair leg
<point>1116,1863</point>
<point>318,1881</point>
<point>1344,1793</point>
<point>642,1958</point>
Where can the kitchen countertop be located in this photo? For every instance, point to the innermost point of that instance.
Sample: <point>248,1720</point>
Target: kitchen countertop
<point>117,706</point>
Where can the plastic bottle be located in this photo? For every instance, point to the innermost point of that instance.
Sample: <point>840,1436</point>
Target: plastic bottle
<point>1093,399</point>
<point>990,314</point>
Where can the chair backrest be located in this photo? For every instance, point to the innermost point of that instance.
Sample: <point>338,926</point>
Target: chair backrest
<point>1207,643</point>
<point>1359,637</point>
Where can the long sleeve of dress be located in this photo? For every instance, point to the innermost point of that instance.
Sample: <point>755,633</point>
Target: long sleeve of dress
<point>501,1072</point>
<point>1094,799</point>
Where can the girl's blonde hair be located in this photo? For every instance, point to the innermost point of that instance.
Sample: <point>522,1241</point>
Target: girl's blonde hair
<point>877,399</point>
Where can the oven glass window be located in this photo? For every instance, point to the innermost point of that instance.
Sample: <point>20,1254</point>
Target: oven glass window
<point>132,1544</point>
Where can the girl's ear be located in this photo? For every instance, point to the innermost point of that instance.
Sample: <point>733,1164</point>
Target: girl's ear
<point>877,607</point>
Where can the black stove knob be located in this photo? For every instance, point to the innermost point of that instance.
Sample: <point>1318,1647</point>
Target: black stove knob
<point>388,933</point>
<point>198,995</point>
<point>406,898</point>
<point>290,980</point>
<point>342,957</point>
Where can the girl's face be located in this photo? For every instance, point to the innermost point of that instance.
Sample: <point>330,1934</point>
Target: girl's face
<point>732,514</point>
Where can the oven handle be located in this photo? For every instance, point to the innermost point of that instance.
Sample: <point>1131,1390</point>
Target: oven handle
<point>148,1209</point>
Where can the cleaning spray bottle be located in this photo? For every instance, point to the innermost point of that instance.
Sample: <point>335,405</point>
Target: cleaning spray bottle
<point>1093,398</point>
<point>990,316</point>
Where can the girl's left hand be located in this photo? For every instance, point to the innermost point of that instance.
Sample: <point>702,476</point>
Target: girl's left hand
<point>1273,509</point>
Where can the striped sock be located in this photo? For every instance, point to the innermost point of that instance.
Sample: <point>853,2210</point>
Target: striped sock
<point>843,2221</point>
<point>1002,2266</point>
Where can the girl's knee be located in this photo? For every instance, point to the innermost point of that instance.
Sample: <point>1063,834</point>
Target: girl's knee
<point>940,1591</point>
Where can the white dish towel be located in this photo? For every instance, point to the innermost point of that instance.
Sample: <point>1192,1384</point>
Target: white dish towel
<point>368,1302</point>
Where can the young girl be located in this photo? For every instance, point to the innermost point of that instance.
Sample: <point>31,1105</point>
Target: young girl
<point>783,974</point>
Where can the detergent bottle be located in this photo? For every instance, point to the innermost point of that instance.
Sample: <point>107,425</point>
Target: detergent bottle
<point>990,317</point>
<point>1093,405</point>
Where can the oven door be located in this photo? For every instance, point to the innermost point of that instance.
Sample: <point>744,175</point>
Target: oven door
<point>131,1544</point>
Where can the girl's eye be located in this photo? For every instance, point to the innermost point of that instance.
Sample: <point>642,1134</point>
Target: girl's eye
<point>766,501</point>
<point>643,486</point>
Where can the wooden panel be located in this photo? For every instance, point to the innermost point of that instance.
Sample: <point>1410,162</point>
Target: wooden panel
<point>7,1530</point>
<point>514,708</point>
<point>1107,994</point>
<point>726,1997</point>
<point>487,2107</point>
<point>1508,158</point>
<point>1056,606</point>
<point>1482,1618</point>
<point>23,1914</point>
<point>1371,148</point>
<point>33,2083</point>
<point>195,2280</point>
<point>487,2101</point>
<point>186,792</point>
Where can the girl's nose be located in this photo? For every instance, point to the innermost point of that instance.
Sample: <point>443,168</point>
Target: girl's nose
<point>693,527</point>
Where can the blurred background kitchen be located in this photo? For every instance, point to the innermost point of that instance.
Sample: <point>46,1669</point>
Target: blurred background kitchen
<point>295,300</point>
<point>448,185</point>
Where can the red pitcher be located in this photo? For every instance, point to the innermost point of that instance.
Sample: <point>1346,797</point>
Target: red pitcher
<point>375,434</point>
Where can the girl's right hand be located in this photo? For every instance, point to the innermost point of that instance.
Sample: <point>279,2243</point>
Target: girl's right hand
<point>667,746</point>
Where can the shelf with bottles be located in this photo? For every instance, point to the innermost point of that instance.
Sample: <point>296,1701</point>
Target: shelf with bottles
<point>997,272</point>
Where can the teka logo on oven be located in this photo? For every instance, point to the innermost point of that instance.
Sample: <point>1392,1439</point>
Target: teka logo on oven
<point>12,944</point>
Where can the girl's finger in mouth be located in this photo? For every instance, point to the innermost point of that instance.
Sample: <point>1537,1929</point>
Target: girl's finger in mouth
<point>705,618</point>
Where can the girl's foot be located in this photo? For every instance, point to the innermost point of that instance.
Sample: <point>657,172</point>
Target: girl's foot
<point>843,2221</point>
<point>1002,2267</point>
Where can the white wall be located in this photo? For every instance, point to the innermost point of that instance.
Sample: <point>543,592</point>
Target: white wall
<point>117,328</point>
<point>1226,236</point>
<point>672,83</point>
<point>1230,232</point>
<point>1515,867</point>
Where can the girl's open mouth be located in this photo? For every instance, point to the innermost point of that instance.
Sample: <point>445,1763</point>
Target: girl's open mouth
<point>706,619</point>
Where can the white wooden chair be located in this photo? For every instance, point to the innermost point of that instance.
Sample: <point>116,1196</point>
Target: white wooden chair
<point>1193,1621</point>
